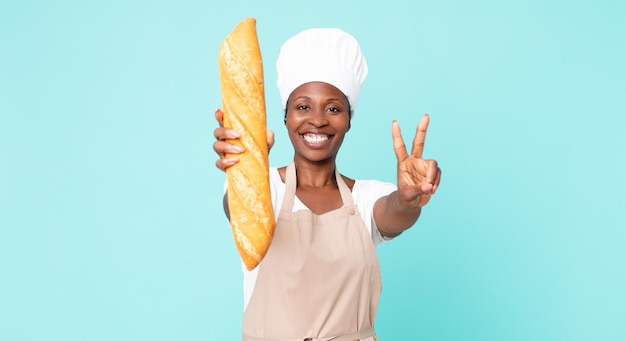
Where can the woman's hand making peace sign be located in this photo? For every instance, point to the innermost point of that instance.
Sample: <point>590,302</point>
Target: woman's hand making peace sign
<point>418,179</point>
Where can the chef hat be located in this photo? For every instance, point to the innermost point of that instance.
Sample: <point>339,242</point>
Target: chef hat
<point>327,55</point>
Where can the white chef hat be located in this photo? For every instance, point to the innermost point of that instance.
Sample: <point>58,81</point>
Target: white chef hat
<point>327,55</point>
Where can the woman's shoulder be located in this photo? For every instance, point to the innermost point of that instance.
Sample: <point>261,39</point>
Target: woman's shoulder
<point>277,175</point>
<point>372,188</point>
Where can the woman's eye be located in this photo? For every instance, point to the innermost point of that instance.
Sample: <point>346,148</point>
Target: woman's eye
<point>333,109</point>
<point>302,107</point>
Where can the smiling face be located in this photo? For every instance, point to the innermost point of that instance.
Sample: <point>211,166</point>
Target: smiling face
<point>317,119</point>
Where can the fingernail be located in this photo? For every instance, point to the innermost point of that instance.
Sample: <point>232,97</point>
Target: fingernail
<point>434,189</point>
<point>236,148</point>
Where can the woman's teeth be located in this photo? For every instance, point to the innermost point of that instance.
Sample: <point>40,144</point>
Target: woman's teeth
<point>313,138</point>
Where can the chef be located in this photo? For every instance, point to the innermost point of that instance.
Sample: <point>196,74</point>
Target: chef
<point>320,279</point>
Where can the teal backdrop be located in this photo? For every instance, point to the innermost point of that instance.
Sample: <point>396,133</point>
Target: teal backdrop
<point>111,226</point>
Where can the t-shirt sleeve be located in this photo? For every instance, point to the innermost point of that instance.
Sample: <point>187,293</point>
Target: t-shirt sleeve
<point>366,193</point>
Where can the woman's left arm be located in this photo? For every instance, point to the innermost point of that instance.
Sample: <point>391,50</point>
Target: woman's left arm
<point>418,180</point>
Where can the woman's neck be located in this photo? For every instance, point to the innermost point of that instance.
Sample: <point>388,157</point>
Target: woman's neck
<point>315,174</point>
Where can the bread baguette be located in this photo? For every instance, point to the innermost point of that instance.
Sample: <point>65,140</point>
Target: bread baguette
<point>243,104</point>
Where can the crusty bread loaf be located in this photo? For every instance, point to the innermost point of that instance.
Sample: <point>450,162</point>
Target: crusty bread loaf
<point>243,104</point>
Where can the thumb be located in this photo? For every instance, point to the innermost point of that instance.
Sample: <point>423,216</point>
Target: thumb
<point>426,188</point>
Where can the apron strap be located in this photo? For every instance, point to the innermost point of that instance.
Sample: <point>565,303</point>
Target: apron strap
<point>346,195</point>
<point>290,188</point>
<point>358,335</point>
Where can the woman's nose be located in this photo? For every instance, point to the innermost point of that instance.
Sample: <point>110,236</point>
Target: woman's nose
<point>318,118</point>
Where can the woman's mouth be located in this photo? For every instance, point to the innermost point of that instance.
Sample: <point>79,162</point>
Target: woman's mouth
<point>315,140</point>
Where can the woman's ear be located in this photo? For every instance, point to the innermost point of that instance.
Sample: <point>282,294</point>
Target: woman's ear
<point>349,121</point>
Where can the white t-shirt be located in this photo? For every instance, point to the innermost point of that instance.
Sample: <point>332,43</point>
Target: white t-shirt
<point>364,193</point>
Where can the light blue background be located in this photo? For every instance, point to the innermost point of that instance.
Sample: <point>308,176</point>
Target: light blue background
<point>110,212</point>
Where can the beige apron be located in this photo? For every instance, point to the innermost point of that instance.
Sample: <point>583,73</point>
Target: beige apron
<point>319,279</point>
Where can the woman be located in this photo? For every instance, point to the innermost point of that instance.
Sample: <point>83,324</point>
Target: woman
<point>320,278</point>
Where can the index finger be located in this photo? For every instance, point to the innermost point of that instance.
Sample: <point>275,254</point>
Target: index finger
<point>420,137</point>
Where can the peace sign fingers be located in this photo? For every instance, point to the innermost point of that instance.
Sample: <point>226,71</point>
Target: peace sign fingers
<point>417,177</point>
<point>420,137</point>
<point>398,142</point>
